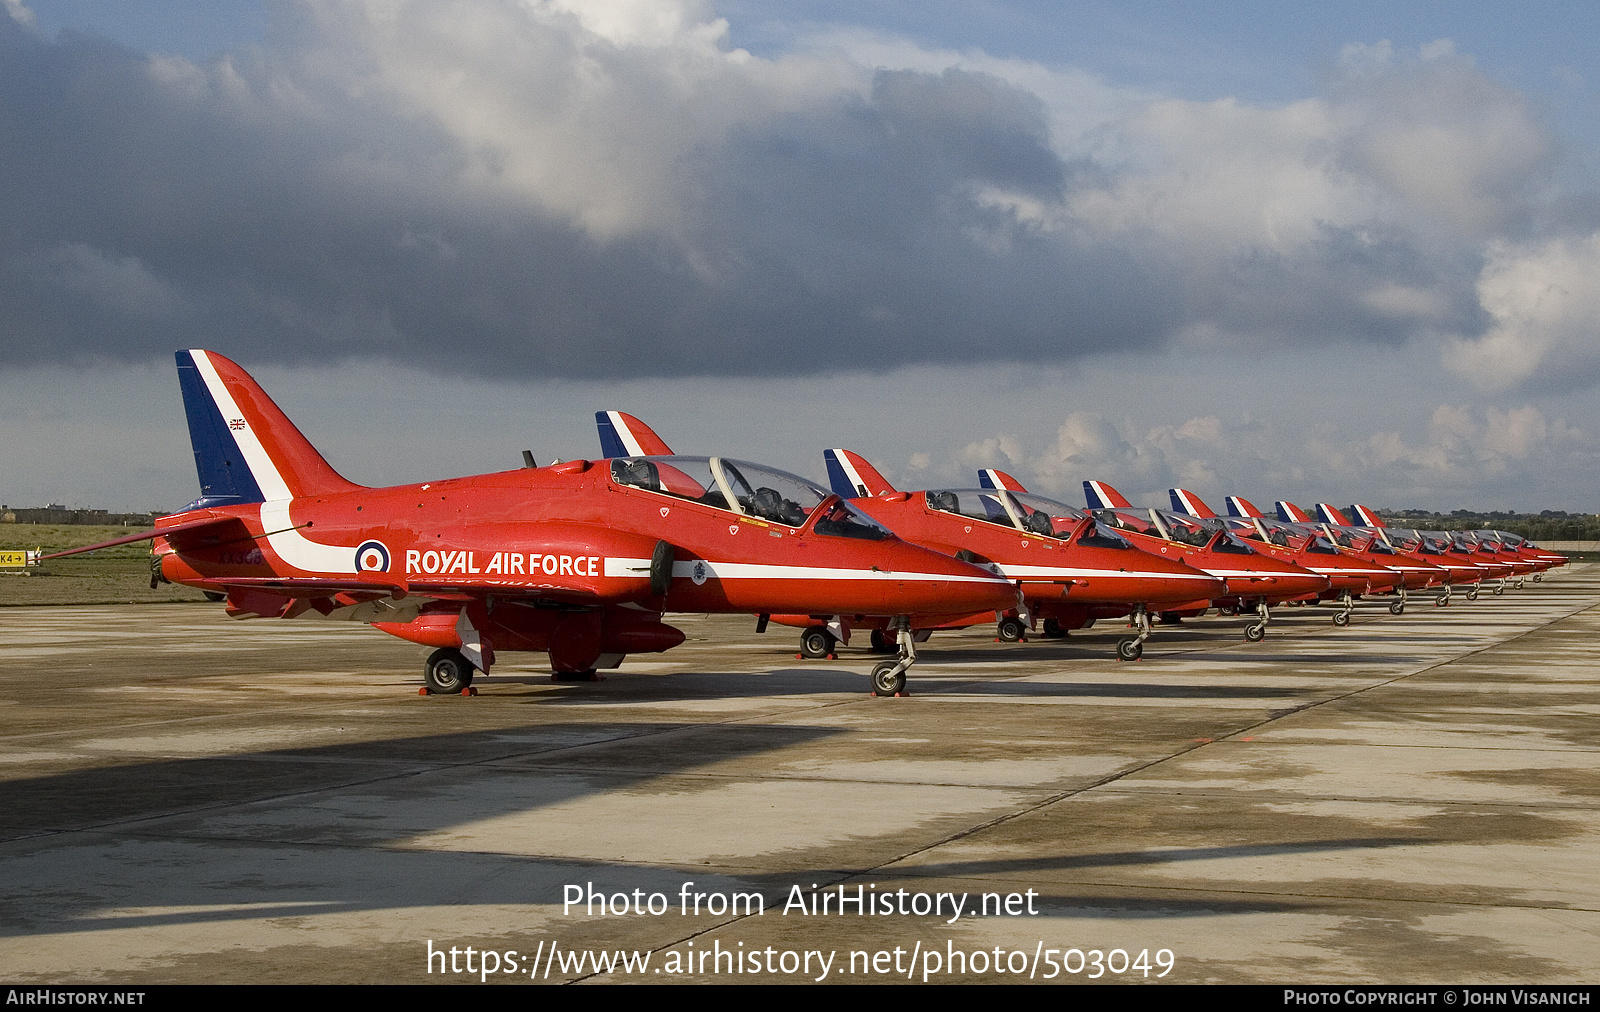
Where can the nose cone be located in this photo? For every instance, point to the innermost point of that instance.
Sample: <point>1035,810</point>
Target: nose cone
<point>927,583</point>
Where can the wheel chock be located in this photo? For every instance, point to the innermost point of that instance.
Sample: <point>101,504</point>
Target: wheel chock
<point>470,690</point>
<point>422,691</point>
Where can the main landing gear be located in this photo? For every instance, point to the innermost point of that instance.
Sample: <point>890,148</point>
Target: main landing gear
<point>817,642</point>
<point>1132,648</point>
<point>1256,631</point>
<point>889,677</point>
<point>447,672</point>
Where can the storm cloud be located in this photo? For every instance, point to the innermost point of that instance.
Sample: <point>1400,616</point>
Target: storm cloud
<point>560,189</point>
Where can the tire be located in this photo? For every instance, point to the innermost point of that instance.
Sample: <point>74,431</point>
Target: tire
<point>1397,607</point>
<point>1341,618</point>
<point>1439,602</point>
<point>1255,632</point>
<point>817,642</point>
<point>1010,630</point>
<point>1129,649</point>
<point>214,597</point>
<point>882,643</point>
<point>1472,595</point>
<point>1053,629</point>
<point>886,681</point>
<point>1498,591</point>
<point>1227,610</point>
<point>447,672</point>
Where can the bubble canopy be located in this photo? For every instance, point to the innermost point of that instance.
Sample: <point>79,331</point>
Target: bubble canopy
<point>751,490</point>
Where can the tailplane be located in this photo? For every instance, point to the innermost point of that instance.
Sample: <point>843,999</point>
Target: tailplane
<point>851,477</point>
<point>245,448</point>
<point>622,435</point>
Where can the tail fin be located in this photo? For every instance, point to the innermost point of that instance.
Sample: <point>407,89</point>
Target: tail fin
<point>851,477</point>
<point>1239,506</point>
<point>1185,501</point>
<point>1366,516</point>
<point>989,477</point>
<point>622,435</point>
<point>1328,515</point>
<point>1101,496</point>
<point>245,448</point>
<point>1289,513</point>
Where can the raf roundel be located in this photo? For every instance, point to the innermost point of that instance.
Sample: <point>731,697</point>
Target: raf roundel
<point>372,557</point>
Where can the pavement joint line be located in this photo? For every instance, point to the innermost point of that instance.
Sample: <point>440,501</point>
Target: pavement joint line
<point>1112,778</point>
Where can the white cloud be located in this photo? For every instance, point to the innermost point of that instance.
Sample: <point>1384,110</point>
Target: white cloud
<point>1545,304</point>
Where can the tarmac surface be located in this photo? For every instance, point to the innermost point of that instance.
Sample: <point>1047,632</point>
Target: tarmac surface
<point>1414,799</point>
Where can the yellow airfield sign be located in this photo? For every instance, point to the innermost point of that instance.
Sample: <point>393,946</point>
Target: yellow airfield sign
<point>17,560</point>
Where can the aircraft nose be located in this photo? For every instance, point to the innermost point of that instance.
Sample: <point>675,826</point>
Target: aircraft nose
<point>931,583</point>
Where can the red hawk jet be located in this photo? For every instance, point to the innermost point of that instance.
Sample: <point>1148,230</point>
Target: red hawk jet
<point>577,559</point>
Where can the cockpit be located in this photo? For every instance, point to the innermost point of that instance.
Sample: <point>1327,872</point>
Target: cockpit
<point>1024,511</point>
<point>747,489</point>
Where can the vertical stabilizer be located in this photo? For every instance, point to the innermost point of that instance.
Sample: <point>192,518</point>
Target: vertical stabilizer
<point>1239,506</point>
<point>1101,496</point>
<point>990,477</point>
<point>622,435</point>
<point>1289,513</point>
<point>1366,516</point>
<point>851,477</point>
<point>245,448</point>
<point>1328,515</point>
<point>1189,504</point>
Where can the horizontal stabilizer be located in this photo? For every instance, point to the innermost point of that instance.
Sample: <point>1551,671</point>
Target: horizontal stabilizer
<point>1101,496</point>
<point>851,477</point>
<point>160,532</point>
<point>989,477</point>
<point>622,435</point>
<point>1189,504</point>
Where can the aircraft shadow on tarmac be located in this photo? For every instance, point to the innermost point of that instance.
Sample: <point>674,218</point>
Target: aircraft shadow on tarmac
<point>174,788</point>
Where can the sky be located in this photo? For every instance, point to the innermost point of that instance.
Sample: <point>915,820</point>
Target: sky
<point>1338,253</point>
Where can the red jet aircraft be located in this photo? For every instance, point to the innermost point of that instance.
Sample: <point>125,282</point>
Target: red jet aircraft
<point>577,559</point>
<point>1069,570</point>
<point>1353,569</point>
<point>1255,579</point>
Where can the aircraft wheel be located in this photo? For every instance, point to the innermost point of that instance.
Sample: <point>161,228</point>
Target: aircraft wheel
<point>816,642</point>
<point>1130,649</point>
<point>1472,595</point>
<point>447,672</point>
<point>1053,629</point>
<point>1255,632</point>
<point>1439,601</point>
<point>1397,607</point>
<point>214,596</point>
<point>1011,630</point>
<point>886,681</point>
<point>1498,591</point>
<point>882,643</point>
<point>1227,610</point>
<point>1538,577</point>
<point>1519,583</point>
<point>1341,618</point>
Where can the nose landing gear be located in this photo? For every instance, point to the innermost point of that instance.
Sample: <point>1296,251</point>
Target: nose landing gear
<point>1132,648</point>
<point>889,677</point>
